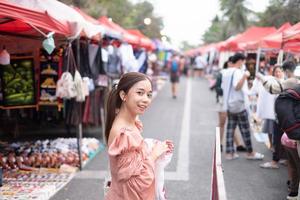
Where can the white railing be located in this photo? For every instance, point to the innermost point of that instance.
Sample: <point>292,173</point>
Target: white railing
<point>218,191</point>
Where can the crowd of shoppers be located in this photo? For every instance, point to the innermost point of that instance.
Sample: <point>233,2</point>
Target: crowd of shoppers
<point>233,94</point>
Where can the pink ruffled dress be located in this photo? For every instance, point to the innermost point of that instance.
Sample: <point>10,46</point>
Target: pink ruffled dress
<point>132,170</point>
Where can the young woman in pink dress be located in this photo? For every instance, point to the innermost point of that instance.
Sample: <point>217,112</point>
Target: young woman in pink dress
<point>132,168</point>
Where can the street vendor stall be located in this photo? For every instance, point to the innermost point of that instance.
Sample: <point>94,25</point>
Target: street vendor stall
<point>35,37</point>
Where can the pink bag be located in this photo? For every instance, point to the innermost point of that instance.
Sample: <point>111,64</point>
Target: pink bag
<point>285,141</point>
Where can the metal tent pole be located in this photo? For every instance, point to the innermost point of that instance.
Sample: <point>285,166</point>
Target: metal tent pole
<point>79,141</point>
<point>79,130</point>
<point>257,60</point>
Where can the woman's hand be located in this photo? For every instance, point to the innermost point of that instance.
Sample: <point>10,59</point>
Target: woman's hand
<point>170,146</point>
<point>159,149</point>
<point>259,76</point>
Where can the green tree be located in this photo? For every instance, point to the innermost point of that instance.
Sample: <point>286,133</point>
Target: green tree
<point>139,13</point>
<point>279,12</point>
<point>236,13</point>
<point>124,13</point>
<point>234,20</point>
<point>118,10</point>
<point>218,31</point>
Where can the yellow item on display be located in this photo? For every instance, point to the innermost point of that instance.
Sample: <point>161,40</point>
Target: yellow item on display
<point>49,70</point>
<point>49,83</point>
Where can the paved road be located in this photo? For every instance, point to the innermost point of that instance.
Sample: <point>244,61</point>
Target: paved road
<point>190,122</point>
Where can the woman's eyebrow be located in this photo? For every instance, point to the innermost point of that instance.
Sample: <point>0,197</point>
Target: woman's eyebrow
<point>142,89</point>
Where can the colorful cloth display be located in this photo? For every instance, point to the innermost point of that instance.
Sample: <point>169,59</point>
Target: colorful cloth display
<point>39,185</point>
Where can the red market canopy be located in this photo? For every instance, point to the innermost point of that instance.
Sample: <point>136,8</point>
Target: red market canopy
<point>272,41</point>
<point>127,37</point>
<point>106,30</point>
<point>55,16</point>
<point>275,40</point>
<point>252,34</point>
<point>202,50</point>
<point>17,19</point>
<point>291,38</point>
<point>292,33</point>
<point>86,16</point>
<point>145,42</point>
<point>224,46</point>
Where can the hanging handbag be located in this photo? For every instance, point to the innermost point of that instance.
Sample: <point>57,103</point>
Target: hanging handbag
<point>65,88</point>
<point>102,80</point>
<point>80,87</point>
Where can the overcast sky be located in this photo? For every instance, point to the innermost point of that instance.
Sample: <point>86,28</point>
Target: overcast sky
<point>188,19</point>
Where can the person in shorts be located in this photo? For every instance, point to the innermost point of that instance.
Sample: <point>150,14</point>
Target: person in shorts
<point>174,67</point>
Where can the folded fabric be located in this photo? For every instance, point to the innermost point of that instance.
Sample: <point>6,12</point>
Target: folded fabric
<point>160,165</point>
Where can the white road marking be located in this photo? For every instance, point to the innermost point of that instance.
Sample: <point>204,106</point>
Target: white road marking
<point>183,162</point>
<point>182,170</point>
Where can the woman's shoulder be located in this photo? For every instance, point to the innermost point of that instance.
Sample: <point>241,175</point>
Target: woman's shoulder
<point>121,140</point>
<point>115,132</point>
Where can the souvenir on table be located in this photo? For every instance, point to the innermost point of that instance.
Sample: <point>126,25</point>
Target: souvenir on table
<point>20,185</point>
<point>17,80</point>
<point>49,73</point>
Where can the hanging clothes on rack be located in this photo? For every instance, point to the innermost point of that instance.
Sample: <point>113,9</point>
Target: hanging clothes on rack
<point>93,105</point>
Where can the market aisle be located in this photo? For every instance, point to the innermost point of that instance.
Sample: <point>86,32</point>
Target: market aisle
<point>189,179</point>
<point>165,120</point>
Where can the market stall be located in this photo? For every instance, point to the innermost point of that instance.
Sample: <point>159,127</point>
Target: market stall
<point>38,41</point>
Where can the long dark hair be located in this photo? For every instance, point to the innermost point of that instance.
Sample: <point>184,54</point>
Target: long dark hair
<point>113,100</point>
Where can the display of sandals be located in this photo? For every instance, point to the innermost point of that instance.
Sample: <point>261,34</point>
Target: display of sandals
<point>49,71</point>
<point>50,67</point>
<point>48,83</point>
<point>47,96</point>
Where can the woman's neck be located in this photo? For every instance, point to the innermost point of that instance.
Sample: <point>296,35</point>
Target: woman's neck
<point>126,116</point>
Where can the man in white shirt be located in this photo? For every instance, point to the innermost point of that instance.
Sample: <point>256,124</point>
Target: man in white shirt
<point>235,104</point>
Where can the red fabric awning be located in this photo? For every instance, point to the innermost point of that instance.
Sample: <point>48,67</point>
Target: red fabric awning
<point>21,18</point>
<point>49,15</point>
<point>275,40</point>
<point>291,38</point>
<point>107,30</point>
<point>252,34</point>
<point>86,16</point>
<point>127,37</point>
<point>271,41</point>
<point>224,46</point>
<point>202,49</point>
<point>292,33</point>
<point>145,42</point>
<point>89,19</point>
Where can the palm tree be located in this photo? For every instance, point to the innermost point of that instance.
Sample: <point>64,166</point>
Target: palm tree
<point>218,31</point>
<point>236,12</point>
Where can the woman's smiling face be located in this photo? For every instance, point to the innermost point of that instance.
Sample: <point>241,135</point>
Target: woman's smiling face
<point>139,97</point>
